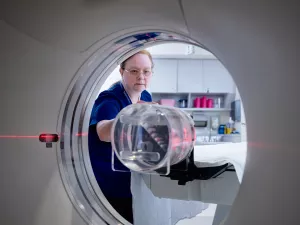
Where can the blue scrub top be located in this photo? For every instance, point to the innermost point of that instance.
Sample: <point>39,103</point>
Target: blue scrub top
<point>108,104</point>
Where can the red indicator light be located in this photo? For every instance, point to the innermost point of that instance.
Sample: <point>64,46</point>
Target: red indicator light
<point>48,138</point>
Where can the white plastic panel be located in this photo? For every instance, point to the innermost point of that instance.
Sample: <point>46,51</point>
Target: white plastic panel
<point>33,80</point>
<point>257,48</point>
<point>77,25</point>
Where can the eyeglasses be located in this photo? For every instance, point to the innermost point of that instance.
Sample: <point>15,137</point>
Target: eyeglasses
<point>136,72</point>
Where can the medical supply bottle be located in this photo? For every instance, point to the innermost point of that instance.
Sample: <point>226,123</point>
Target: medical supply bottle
<point>229,126</point>
<point>146,137</point>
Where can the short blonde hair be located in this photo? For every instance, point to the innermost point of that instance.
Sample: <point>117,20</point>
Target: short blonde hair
<point>145,52</point>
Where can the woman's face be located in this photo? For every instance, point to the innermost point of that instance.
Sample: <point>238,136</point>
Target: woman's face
<point>137,73</point>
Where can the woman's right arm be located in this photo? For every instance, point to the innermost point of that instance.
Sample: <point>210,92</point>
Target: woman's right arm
<point>104,126</point>
<point>104,130</point>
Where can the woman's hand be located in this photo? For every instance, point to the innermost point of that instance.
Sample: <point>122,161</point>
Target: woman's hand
<point>104,129</point>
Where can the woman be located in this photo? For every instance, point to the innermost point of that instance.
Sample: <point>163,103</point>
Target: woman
<point>136,73</point>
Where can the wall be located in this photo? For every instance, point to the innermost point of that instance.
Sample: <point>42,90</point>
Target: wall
<point>179,49</point>
<point>169,49</point>
<point>112,78</point>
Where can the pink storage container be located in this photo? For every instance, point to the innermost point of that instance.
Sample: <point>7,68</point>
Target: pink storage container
<point>197,102</point>
<point>168,102</point>
<point>203,102</point>
<point>209,103</point>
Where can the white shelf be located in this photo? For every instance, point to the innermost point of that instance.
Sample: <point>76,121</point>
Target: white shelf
<point>207,109</point>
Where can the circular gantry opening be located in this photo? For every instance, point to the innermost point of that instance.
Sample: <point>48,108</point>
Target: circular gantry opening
<point>174,71</point>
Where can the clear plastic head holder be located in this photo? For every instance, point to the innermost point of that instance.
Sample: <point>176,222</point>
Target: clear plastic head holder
<point>149,138</point>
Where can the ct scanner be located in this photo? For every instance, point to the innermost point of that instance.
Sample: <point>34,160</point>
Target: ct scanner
<point>55,55</point>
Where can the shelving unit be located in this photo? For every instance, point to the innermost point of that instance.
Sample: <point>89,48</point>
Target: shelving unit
<point>226,100</point>
<point>207,109</point>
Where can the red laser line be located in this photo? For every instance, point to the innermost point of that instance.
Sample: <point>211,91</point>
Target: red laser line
<point>35,136</point>
<point>17,136</point>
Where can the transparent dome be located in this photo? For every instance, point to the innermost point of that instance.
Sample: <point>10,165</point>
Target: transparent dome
<point>147,137</point>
